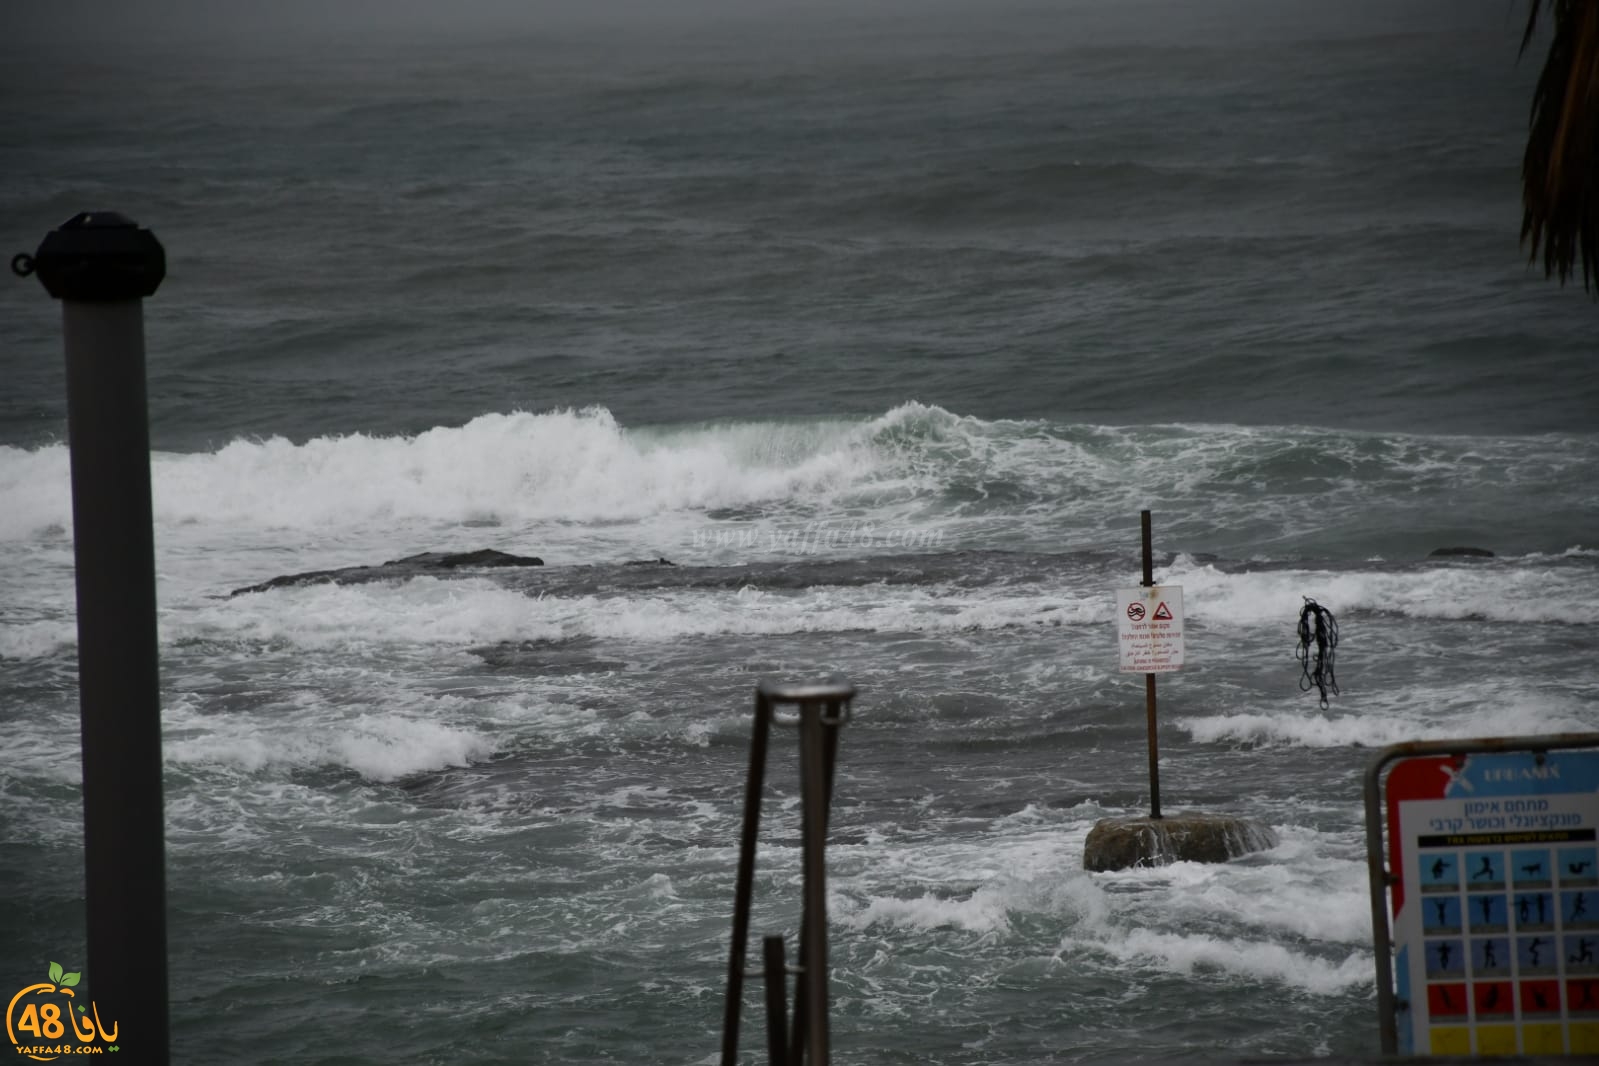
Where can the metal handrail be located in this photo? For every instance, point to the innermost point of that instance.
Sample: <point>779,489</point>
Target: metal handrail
<point>822,710</point>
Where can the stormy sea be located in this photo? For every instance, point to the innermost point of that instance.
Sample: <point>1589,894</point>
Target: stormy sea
<point>797,341</point>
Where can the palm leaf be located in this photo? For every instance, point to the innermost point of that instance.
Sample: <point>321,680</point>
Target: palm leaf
<point>1560,170</point>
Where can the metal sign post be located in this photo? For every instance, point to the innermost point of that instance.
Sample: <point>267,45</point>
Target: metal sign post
<point>1492,865</point>
<point>1149,631</point>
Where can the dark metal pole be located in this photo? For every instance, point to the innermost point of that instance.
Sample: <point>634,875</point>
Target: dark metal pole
<point>818,755</point>
<point>754,788</point>
<point>774,969</point>
<point>813,931</point>
<point>1149,679</point>
<point>1378,881</point>
<point>834,721</point>
<point>101,266</point>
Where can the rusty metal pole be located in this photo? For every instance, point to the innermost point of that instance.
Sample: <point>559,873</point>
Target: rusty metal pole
<point>1149,679</point>
<point>101,266</point>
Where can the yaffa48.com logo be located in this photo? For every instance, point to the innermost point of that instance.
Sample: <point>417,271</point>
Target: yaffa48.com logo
<point>46,1021</point>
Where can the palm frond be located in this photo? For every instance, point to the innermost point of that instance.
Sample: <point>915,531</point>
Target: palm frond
<point>1560,170</point>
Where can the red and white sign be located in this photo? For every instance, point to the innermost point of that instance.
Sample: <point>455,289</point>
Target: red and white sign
<point>1149,629</point>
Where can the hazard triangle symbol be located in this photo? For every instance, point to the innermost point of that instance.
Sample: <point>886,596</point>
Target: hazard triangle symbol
<point>1163,612</point>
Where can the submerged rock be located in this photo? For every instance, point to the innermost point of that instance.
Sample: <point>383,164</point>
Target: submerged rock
<point>1462,551</point>
<point>1191,836</point>
<point>410,566</point>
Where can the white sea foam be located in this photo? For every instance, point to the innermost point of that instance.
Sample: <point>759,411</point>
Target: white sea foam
<point>1305,893</point>
<point>376,726</point>
<point>1231,918</point>
<point>36,640</point>
<point>379,747</point>
<point>1481,709</point>
<point>36,485</point>
<point>1492,593</point>
<point>1302,890</point>
<point>572,466</point>
<point>1185,953</point>
<point>983,911</point>
<point>451,613</point>
<point>438,613</point>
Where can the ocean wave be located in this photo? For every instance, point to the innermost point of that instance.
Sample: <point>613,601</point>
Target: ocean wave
<point>1282,492</point>
<point>566,465</point>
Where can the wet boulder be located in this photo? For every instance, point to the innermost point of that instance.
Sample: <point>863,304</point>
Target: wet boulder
<point>1189,836</point>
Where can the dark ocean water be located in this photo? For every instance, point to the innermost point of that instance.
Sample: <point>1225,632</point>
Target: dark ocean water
<point>882,323</point>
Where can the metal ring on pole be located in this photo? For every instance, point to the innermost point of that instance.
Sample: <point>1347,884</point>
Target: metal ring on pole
<point>22,264</point>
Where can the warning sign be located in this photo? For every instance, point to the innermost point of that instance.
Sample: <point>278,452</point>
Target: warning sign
<point>1149,629</point>
<point>1496,903</point>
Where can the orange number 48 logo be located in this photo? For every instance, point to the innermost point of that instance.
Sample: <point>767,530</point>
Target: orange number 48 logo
<point>40,1015</point>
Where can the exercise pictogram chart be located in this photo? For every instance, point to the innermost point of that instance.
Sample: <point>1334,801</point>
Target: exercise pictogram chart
<point>1496,903</point>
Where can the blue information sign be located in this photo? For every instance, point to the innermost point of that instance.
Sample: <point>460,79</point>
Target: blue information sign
<point>1496,903</point>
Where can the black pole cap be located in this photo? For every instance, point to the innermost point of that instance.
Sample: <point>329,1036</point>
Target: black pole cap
<point>100,256</point>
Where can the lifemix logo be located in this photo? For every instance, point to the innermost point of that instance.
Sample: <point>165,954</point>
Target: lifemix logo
<point>46,1021</point>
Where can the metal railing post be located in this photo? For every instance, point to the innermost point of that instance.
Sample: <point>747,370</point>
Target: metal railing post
<point>823,709</point>
<point>754,786</point>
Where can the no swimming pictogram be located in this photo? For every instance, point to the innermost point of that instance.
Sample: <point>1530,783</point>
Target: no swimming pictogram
<point>1150,628</point>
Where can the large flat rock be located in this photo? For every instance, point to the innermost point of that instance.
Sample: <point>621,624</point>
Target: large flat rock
<point>1189,836</point>
<point>398,569</point>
